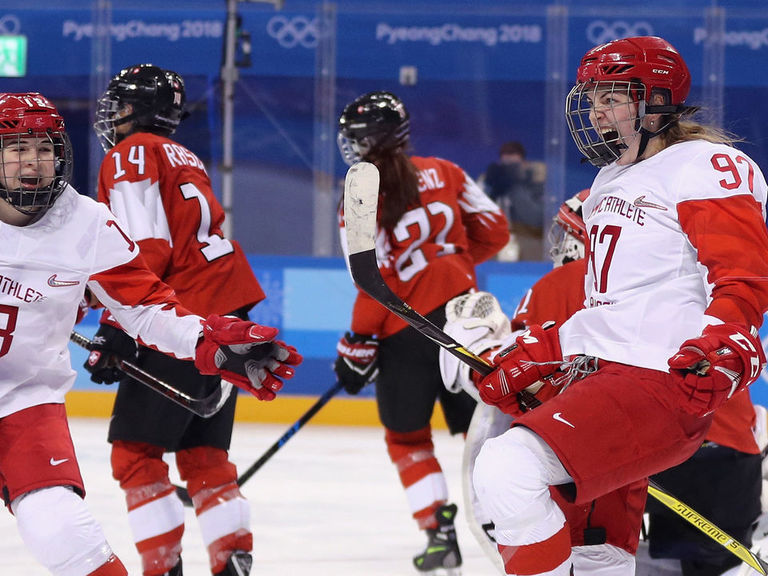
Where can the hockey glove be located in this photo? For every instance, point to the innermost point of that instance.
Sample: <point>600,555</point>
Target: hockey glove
<point>535,356</point>
<point>110,345</point>
<point>245,354</point>
<point>356,363</point>
<point>725,359</point>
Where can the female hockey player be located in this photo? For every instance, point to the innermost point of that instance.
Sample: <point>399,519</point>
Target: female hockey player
<point>55,242</point>
<point>179,232</point>
<point>675,289</point>
<point>434,225</point>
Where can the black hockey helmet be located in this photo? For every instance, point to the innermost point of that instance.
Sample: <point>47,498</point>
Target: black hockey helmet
<point>156,95</point>
<point>372,123</point>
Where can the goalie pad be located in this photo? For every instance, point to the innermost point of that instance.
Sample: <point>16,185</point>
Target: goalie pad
<point>487,422</point>
<point>477,322</point>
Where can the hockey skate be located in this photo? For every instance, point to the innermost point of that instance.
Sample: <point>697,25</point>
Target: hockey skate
<point>441,556</point>
<point>239,564</point>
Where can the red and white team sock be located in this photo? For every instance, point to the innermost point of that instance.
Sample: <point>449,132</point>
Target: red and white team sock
<point>222,512</point>
<point>155,513</point>
<point>156,516</point>
<point>59,531</point>
<point>224,518</point>
<point>512,476</point>
<point>413,455</point>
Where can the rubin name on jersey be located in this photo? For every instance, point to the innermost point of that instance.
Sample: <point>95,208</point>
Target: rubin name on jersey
<point>16,289</point>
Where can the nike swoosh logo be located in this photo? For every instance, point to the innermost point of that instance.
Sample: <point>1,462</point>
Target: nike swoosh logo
<point>640,202</point>
<point>55,283</point>
<point>557,416</point>
<point>54,462</point>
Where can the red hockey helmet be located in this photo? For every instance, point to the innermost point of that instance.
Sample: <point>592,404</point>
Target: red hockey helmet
<point>23,117</point>
<point>648,61</point>
<point>568,233</point>
<point>640,67</point>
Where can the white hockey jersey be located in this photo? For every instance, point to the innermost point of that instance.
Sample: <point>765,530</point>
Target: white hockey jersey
<point>676,242</point>
<point>44,268</point>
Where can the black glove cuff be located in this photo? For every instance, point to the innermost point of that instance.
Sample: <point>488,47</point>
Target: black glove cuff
<point>115,341</point>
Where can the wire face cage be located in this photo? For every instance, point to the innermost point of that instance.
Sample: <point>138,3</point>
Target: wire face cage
<point>34,169</point>
<point>598,113</point>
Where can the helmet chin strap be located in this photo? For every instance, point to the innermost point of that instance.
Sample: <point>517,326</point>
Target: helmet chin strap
<point>646,134</point>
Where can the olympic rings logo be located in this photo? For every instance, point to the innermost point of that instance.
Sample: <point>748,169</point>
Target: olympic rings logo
<point>296,31</point>
<point>9,25</point>
<point>600,31</point>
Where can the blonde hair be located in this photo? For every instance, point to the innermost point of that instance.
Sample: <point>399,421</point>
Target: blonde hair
<point>686,130</point>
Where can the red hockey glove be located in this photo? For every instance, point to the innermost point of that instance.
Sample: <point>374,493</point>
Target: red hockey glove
<point>534,356</point>
<point>245,354</point>
<point>722,361</point>
<point>356,364</point>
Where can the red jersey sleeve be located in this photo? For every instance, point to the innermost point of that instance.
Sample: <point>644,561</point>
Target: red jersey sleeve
<point>486,226</point>
<point>730,237</point>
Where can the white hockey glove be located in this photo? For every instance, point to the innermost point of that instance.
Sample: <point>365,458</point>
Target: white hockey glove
<point>477,322</point>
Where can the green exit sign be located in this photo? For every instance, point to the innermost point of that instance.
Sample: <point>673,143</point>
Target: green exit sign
<point>13,56</point>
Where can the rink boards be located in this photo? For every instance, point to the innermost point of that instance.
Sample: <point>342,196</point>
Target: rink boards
<point>310,300</point>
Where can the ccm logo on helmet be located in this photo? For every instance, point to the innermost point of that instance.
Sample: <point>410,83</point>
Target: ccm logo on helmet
<point>659,71</point>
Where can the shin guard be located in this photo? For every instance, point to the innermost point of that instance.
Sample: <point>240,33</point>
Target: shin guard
<point>413,455</point>
<point>222,511</point>
<point>155,513</point>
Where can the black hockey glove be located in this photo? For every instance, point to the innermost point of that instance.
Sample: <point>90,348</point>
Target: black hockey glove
<point>110,345</point>
<point>356,363</point>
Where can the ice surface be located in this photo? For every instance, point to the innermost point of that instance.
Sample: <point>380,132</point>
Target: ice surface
<point>328,503</point>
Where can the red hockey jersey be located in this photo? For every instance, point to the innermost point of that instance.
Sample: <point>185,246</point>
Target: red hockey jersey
<point>431,254</point>
<point>162,195</point>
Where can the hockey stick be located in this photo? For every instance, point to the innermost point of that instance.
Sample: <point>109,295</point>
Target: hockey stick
<point>361,193</point>
<point>698,521</point>
<point>245,476</point>
<point>361,197</point>
<point>203,407</point>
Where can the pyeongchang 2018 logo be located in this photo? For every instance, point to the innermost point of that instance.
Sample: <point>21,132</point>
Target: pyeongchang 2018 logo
<point>295,31</point>
<point>752,39</point>
<point>601,31</point>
